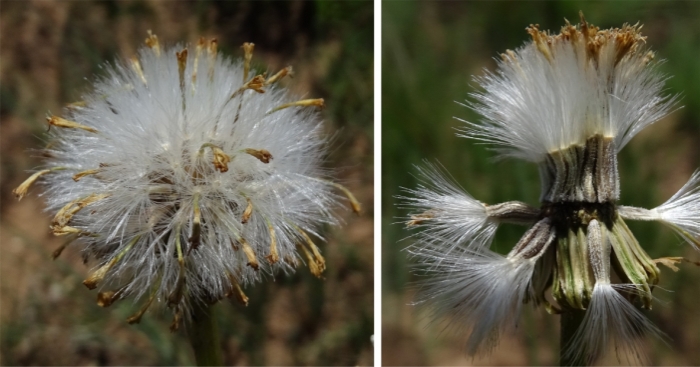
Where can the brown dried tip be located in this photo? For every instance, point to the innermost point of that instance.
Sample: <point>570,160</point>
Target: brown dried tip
<point>136,65</point>
<point>211,51</point>
<point>64,215</point>
<point>626,42</point>
<point>22,189</point>
<point>221,160</point>
<point>240,296</point>
<point>181,60</point>
<point>181,66</point>
<point>318,258</point>
<point>247,212</point>
<point>356,206</point>
<point>106,299</point>
<point>669,262</point>
<point>201,43</point>
<point>583,23</point>
<point>591,39</point>
<point>273,257</point>
<point>79,175</point>
<point>99,274</point>
<point>213,47</point>
<point>152,42</point>
<point>279,75</point>
<point>197,53</point>
<point>248,55</point>
<point>237,291</point>
<point>256,84</point>
<point>311,262</point>
<point>318,102</point>
<point>248,251</point>
<point>541,40</point>
<point>61,122</point>
<point>64,230</point>
<point>261,154</point>
<point>417,219</point>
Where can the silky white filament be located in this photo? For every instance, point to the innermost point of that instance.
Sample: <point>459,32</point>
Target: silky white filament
<point>610,319</point>
<point>482,290</point>
<point>448,218</point>
<point>682,211</point>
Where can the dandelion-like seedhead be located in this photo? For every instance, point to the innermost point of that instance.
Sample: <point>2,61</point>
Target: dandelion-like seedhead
<point>187,176</point>
<point>569,103</point>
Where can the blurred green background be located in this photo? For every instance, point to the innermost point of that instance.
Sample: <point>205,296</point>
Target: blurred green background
<point>430,50</point>
<point>52,50</point>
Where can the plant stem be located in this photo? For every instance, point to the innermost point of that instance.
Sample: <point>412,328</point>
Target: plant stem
<point>204,336</point>
<point>570,322</point>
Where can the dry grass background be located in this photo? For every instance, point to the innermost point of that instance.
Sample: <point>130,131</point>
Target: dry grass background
<point>430,51</point>
<point>50,50</point>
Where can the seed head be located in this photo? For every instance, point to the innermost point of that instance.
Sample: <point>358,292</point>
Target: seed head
<point>558,90</point>
<point>186,176</point>
<point>568,102</point>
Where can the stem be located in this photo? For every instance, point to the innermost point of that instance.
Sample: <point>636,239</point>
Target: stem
<point>570,322</point>
<point>204,336</point>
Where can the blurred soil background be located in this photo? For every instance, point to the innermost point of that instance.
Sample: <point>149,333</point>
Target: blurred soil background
<point>430,51</point>
<point>51,51</point>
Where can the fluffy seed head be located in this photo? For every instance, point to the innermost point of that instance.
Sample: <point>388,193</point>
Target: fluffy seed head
<point>569,102</point>
<point>558,90</point>
<point>187,175</point>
